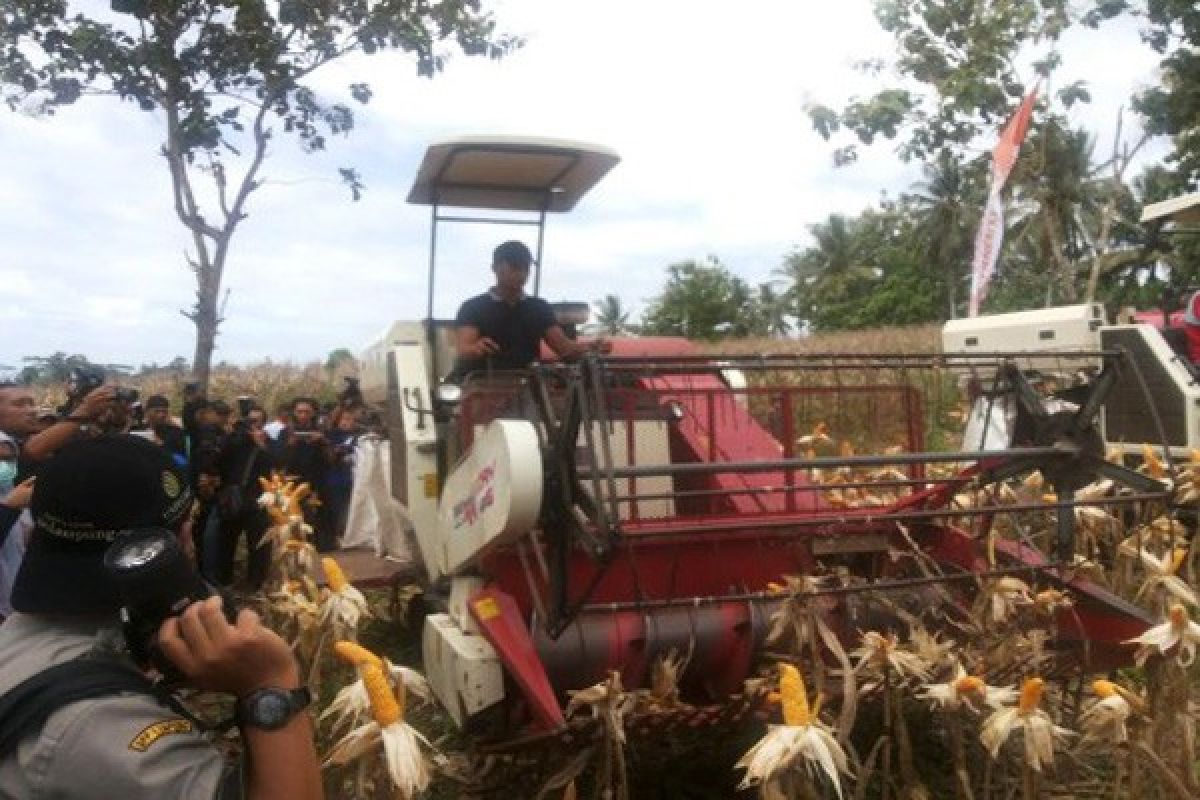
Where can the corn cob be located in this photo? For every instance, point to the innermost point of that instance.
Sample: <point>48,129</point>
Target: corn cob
<point>334,575</point>
<point>793,696</point>
<point>1031,695</point>
<point>356,654</point>
<point>384,706</point>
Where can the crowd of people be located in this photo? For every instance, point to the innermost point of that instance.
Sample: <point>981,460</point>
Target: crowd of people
<point>223,449</point>
<point>78,703</point>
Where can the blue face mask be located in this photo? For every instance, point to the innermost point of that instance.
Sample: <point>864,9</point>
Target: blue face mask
<point>8,476</point>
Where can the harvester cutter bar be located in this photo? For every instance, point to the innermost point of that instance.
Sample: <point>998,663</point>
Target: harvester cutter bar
<point>861,517</point>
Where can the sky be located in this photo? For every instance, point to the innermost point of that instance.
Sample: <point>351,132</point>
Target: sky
<point>703,101</point>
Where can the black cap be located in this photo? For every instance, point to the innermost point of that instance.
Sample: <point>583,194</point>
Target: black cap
<point>157,401</point>
<point>89,493</point>
<point>514,253</point>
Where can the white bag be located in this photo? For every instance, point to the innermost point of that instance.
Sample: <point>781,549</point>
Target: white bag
<point>376,518</point>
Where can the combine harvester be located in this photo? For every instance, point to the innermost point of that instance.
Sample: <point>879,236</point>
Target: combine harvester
<point>577,519</point>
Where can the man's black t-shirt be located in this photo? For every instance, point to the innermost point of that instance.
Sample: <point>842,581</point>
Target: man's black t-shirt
<point>517,328</point>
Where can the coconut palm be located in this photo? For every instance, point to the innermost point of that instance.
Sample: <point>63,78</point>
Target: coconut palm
<point>612,316</point>
<point>824,276</point>
<point>948,204</point>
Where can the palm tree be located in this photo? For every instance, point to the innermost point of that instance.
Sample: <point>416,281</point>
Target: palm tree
<point>1058,204</point>
<point>611,315</point>
<point>772,310</point>
<point>825,275</point>
<point>948,209</point>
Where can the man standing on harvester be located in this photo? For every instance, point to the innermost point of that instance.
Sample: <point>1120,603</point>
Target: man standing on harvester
<point>502,328</point>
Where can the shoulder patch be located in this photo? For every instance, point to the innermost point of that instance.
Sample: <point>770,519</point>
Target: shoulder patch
<point>152,733</point>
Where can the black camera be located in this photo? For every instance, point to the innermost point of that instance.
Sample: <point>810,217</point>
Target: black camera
<point>245,404</point>
<point>352,395</point>
<point>81,381</point>
<point>155,580</point>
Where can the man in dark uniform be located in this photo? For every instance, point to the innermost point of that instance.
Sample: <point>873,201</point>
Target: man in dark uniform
<point>503,327</point>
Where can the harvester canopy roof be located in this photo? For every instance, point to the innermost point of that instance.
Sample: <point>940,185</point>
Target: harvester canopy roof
<point>513,173</point>
<point>1182,210</point>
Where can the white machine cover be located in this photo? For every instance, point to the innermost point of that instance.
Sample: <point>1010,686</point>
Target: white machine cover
<point>376,519</point>
<point>494,493</point>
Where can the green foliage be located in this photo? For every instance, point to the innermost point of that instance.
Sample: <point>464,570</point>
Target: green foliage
<point>1173,107</point>
<point>57,368</point>
<point>611,315</point>
<point>339,358</point>
<point>704,300</point>
<point>962,52</point>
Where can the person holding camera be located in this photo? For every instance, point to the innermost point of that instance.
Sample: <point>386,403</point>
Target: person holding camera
<point>82,419</point>
<point>345,426</point>
<point>157,423</point>
<point>306,454</point>
<point>78,716</point>
<point>244,458</point>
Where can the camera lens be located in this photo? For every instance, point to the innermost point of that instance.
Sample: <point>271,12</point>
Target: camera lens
<point>153,575</point>
<point>136,553</point>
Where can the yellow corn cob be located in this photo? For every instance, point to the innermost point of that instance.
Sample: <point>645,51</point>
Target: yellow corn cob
<point>334,575</point>
<point>1178,616</point>
<point>1103,688</point>
<point>1154,464</point>
<point>793,696</point>
<point>354,653</point>
<point>1177,559</point>
<point>1031,695</point>
<point>970,683</point>
<point>1195,456</point>
<point>384,707</point>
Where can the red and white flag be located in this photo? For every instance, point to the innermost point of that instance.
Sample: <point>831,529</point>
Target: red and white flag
<point>991,228</point>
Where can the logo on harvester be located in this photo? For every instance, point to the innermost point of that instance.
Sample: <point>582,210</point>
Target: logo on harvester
<point>481,498</point>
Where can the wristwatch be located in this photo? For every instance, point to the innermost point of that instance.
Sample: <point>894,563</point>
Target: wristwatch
<point>271,708</point>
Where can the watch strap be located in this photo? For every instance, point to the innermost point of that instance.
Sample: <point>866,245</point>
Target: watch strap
<point>298,699</point>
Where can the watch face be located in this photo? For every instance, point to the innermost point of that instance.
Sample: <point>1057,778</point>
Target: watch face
<point>270,709</point>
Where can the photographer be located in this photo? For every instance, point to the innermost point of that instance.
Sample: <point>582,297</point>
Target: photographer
<point>306,454</point>
<point>244,458</point>
<point>135,743</point>
<point>165,432</point>
<point>344,429</point>
<point>91,409</point>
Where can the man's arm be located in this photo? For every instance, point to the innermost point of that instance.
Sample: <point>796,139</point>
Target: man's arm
<point>239,659</point>
<point>43,445</point>
<point>568,349</point>
<point>469,344</point>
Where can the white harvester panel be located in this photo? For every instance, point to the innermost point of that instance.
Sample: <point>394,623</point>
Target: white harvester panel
<point>1045,330</point>
<point>494,494</point>
<point>463,669</point>
<point>1128,423</point>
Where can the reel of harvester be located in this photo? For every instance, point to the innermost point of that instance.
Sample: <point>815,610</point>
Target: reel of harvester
<point>691,503</point>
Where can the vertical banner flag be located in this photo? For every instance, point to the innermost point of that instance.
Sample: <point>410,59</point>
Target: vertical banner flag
<point>991,227</point>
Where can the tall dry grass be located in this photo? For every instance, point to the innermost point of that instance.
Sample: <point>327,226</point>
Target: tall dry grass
<point>270,383</point>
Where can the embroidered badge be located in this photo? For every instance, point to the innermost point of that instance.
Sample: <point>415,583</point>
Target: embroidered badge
<point>171,484</point>
<point>152,733</point>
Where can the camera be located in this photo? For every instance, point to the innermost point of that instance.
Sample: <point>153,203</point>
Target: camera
<point>155,579</point>
<point>351,396</point>
<point>80,381</point>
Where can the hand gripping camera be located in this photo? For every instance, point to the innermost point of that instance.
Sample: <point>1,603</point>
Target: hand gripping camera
<point>155,580</point>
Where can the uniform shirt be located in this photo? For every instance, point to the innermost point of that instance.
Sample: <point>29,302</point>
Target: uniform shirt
<point>517,328</point>
<point>124,745</point>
